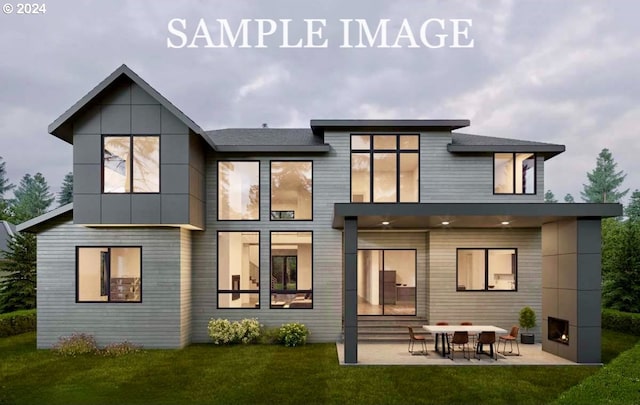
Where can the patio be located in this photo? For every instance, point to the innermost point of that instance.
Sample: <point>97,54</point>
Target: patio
<point>396,354</point>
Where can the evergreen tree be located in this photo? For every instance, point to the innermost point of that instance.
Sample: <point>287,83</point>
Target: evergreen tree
<point>569,198</point>
<point>549,197</point>
<point>621,288</point>
<point>32,198</point>
<point>632,212</point>
<point>5,186</point>
<point>604,181</point>
<point>66,192</point>
<point>18,287</point>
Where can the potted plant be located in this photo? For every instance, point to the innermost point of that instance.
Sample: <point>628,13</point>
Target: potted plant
<point>527,321</point>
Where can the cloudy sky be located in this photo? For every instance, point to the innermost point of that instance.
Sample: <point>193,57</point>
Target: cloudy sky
<point>561,72</point>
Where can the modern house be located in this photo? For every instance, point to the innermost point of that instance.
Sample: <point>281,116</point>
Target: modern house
<point>172,225</point>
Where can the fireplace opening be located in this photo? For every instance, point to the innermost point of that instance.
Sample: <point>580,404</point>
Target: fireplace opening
<point>558,330</point>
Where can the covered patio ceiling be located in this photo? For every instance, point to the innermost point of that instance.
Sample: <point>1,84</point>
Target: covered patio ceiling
<point>383,216</point>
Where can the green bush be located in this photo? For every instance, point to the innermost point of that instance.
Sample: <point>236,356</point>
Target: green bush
<point>527,318</point>
<point>119,349</point>
<point>247,330</point>
<point>293,334</point>
<point>224,332</point>
<point>625,322</point>
<point>76,344</point>
<point>15,323</point>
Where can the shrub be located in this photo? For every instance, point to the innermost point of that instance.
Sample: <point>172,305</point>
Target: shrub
<point>15,323</point>
<point>527,318</point>
<point>76,344</point>
<point>224,332</point>
<point>293,334</point>
<point>625,322</point>
<point>119,349</point>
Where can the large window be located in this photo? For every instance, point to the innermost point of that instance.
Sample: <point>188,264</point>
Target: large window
<point>109,274</point>
<point>514,173</point>
<point>238,190</point>
<point>291,190</point>
<point>291,270</point>
<point>487,269</point>
<point>239,269</point>
<point>131,164</point>
<point>385,168</point>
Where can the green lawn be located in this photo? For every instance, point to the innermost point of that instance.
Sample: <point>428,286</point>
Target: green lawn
<point>270,374</point>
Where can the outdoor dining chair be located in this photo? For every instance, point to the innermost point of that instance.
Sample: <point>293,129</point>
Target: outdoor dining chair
<point>413,338</point>
<point>486,338</point>
<point>511,337</point>
<point>461,339</point>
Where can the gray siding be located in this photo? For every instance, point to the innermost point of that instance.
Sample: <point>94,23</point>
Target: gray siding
<point>185,287</point>
<point>330,185</point>
<point>127,109</point>
<point>499,308</point>
<point>159,321</point>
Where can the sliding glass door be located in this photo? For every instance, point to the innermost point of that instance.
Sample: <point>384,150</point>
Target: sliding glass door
<point>387,282</point>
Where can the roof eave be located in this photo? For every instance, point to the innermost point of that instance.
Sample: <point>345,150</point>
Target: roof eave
<point>319,126</point>
<point>548,151</point>
<point>32,225</point>
<point>274,148</point>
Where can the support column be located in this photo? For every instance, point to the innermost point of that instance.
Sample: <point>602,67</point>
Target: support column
<point>350,252</point>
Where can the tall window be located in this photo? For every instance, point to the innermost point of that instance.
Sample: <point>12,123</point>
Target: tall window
<point>109,274</point>
<point>385,168</point>
<point>291,190</point>
<point>487,269</point>
<point>238,190</point>
<point>238,270</point>
<point>131,164</point>
<point>514,173</point>
<point>291,269</point>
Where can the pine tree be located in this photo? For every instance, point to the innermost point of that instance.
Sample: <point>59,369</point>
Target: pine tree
<point>32,198</point>
<point>549,197</point>
<point>66,191</point>
<point>604,181</point>
<point>621,287</point>
<point>632,212</point>
<point>5,186</point>
<point>18,287</point>
<point>569,198</point>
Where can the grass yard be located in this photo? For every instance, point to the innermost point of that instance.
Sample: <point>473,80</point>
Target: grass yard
<point>270,374</point>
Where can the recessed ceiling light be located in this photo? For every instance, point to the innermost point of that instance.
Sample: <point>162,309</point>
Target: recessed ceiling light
<point>385,222</point>
<point>445,222</point>
<point>505,222</point>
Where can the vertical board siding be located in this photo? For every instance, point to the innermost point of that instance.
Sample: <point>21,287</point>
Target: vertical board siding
<point>154,323</point>
<point>499,308</point>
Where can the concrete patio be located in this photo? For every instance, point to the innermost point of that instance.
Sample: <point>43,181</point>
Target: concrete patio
<point>397,354</point>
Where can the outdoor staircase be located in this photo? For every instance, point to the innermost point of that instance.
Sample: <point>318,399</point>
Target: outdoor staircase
<point>386,329</point>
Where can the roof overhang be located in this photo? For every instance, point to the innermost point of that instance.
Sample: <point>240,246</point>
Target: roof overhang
<point>35,224</point>
<point>324,148</point>
<point>466,215</point>
<point>548,151</point>
<point>320,126</point>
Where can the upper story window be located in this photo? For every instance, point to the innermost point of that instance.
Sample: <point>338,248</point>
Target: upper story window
<point>131,164</point>
<point>487,269</point>
<point>291,190</point>
<point>238,190</point>
<point>385,168</point>
<point>514,173</point>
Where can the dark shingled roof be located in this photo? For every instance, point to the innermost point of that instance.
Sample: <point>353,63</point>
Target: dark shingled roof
<point>267,140</point>
<point>468,143</point>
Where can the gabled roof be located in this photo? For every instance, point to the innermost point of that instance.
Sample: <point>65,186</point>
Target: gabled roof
<point>61,127</point>
<point>7,231</point>
<point>468,143</point>
<point>267,140</point>
<point>34,224</point>
<point>319,126</point>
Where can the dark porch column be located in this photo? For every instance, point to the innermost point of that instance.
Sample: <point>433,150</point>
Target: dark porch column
<point>350,251</point>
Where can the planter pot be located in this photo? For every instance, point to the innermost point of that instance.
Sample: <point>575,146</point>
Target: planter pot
<point>527,338</point>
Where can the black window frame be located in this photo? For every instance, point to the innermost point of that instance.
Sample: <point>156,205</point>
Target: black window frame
<point>297,291</point>
<point>372,151</point>
<point>223,291</point>
<point>131,136</point>
<point>513,154</point>
<point>218,189</point>
<point>271,216</point>
<point>486,269</point>
<point>108,301</point>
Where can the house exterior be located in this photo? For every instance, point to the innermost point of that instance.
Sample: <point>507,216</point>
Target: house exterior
<point>173,225</point>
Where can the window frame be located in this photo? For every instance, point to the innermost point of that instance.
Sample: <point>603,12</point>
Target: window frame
<point>513,174</point>
<point>297,291</point>
<point>108,247</point>
<point>486,269</point>
<point>217,188</point>
<point>131,136</point>
<point>371,152</point>
<point>219,291</point>
<point>271,194</point>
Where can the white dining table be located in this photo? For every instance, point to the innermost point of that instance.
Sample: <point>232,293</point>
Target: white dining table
<point>444,330</point>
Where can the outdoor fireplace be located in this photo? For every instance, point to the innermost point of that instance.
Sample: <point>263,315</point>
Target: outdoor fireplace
<point>558,330</point>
